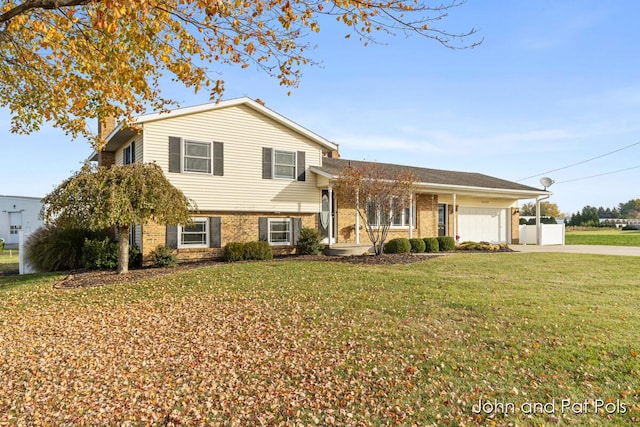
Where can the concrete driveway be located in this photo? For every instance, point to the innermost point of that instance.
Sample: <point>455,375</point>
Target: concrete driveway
<point>581,249</point>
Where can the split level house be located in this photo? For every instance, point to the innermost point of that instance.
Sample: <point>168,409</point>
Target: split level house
<point>256,175</point>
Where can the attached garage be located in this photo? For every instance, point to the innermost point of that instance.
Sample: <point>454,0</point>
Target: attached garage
<point>484,224</point>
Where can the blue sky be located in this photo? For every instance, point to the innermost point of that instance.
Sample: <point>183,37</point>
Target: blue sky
<point>553,83</point>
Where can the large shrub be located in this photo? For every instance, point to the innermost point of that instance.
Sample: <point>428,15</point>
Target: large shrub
<point>446,243</point>
<point>399,245</point>
<point>102,254</point>
<point>162,256</point>
<point>57,248</point>
<point>431,244</point>
<point>258,251</point>
<point>309,242</point>
<point>417,245</point>
<point>233,251</point>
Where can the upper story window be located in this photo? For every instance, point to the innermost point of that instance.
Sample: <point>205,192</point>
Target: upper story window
<point>129,154</point>
<point>197,157</point>
<point>206,157</point>
<point>284,163</point>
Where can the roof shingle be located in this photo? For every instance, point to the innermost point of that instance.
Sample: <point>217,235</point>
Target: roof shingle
<point>333,167</point>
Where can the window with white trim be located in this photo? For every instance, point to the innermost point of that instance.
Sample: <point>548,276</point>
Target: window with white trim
<point>128,154</point>
<point>280,231</point>
<point>195,235</point>
<point>400,216</point>
<point>284,164</point>
<point>197,157</point>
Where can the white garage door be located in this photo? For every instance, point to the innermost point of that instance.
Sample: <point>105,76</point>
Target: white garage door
<point>483,225</point>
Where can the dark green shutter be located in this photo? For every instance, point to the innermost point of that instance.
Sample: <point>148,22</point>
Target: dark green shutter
<point>215,232</point>
<point>174,154</point>
<point>300,164</point>
<point>297,226</point>
<point>263,229</point>
<point>218,158</point>
<point>267,157</point>
<point>172,237</point>
<point>133,152</point>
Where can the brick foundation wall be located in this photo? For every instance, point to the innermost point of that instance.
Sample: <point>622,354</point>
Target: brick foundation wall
<point>426,221</point>
<point>235,227</point>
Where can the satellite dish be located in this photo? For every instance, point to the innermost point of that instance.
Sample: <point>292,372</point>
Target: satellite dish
<point>546,182</point>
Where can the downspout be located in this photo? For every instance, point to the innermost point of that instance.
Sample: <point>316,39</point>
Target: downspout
<point>538,223</point>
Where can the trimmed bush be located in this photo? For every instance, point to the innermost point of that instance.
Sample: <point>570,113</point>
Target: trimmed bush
<point>629,227</point>
<point>162,256</point>
<point>1,244</point>
<point>446,243</point>
<point>257,251</point>
<point>309,242</point>
<point>398,245</point>
<point>417,245</point>
<point>55,248</point>
<point>233,251</point>
<point>431,244</point>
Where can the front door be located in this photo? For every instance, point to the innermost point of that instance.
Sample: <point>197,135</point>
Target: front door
<point>327,214</point>
<point>442,219</point>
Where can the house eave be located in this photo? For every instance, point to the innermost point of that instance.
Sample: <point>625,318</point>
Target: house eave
<point>219,105</point>
<point>426,187</point>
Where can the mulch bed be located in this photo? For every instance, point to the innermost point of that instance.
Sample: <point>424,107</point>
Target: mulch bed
<point>84,279</point>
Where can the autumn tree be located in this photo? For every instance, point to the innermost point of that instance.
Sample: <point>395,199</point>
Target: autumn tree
<point>546,209</point>
<point>379,195</point>
<point>117,196</point>
<point>65,61</point>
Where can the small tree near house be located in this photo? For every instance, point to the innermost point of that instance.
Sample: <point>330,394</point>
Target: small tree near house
<point>117,196</point>
<point>379,196</point>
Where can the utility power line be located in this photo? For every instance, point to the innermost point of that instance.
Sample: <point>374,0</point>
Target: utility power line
<point>584,161</point>
<point>600,174</point>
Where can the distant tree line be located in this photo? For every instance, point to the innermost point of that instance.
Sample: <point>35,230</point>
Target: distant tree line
<point>590,216</point>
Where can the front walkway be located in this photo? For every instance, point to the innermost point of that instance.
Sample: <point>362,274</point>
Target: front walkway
<point>580,249</point>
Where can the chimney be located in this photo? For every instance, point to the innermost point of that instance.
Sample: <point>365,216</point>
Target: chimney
<point>106,125</point>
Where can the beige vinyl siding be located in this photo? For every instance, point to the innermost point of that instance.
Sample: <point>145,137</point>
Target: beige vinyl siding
<point>244,132</point>
<point>139,158</point>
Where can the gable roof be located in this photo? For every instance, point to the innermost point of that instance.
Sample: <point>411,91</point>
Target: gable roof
<point>435,179</point>
<point>122,133</point>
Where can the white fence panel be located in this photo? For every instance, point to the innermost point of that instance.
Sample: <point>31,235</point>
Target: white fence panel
<point>24,266</point>
<point>551,234</point>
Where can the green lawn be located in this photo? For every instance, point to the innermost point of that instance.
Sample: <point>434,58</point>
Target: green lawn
<point>8,261</point>
<point>305,343</point>
<point>607,236</point>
